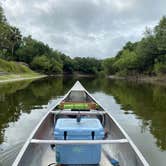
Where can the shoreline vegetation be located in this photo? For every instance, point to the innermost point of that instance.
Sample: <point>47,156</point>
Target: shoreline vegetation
<point>19,77</point>
<point>160,80</point>
<point>13,71</point>
<point>143,60</point>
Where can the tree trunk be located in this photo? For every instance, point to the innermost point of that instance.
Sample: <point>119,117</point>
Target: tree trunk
<point>13,49</point>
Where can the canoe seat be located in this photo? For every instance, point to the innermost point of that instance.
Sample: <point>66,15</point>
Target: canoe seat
<point>78,105</point>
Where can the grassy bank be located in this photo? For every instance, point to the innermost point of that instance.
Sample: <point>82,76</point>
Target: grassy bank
<point>19,77</point>
<point>13,71</point>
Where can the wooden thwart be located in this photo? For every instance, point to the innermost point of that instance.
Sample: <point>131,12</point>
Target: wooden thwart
<point>82,142</point>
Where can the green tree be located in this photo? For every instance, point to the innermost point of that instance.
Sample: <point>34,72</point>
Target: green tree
<point>4,33</point>
<point>108,65</point>
<point>2,16</point>
<point>41,63</point>
<point>10,36</point>
<point>147,52</point>
<point>130,46</point>
<point>45,65</point>
<point>68,64</point>
<point>14,38</point>
<point>88,65</point>
<point>128,61</point>
<point>31,48</point>
<point>160,34</point>
<point>160,68</point>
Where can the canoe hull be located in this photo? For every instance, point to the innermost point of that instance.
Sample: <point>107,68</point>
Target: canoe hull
<point>117,145</point>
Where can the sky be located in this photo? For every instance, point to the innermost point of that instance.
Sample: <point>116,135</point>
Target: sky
<point>93,28</point>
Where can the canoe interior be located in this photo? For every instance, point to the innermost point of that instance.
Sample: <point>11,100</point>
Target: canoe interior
<point>43,155</point>
<point>38,154</point>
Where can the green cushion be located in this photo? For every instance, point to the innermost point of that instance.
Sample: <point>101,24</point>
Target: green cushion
<point>79,106</point>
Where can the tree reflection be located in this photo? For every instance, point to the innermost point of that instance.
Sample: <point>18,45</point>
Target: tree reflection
<point>19,97</point>
<point>146,101</point>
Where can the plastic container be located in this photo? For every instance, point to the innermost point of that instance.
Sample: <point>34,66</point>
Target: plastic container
<point>86,129</point>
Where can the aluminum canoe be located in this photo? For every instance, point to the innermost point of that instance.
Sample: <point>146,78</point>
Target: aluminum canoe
<point>117,144</point>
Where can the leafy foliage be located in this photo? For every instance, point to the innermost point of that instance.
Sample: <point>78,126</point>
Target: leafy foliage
<point>10,37</point>
<point>160,35</point>
<point>87,65</point>
<point>160,67</point>
<point>45,65</point>
<point>13,67</point>
<point>108,65</point>
<point>145,57</point>
<point>40,56</point>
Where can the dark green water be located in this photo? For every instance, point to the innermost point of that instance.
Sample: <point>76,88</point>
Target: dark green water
<point>139,108</point>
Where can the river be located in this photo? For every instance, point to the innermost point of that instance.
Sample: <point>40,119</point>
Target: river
<point>140,108</point>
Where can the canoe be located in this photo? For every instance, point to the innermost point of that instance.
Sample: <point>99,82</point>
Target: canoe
<point>116,146</point>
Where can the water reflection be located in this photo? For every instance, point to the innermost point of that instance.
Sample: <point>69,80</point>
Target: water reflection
<point>145,101</point>
<point>19,97</point>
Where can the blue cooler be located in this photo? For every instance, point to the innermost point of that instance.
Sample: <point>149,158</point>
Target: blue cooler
<point>86,129</point>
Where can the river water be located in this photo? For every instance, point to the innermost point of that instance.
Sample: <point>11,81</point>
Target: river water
<point>140,108</point>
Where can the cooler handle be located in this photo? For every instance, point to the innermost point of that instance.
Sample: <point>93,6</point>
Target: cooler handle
<point>65,135</point>
<point>93,135</point>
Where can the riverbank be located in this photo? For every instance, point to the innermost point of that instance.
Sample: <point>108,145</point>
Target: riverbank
<point>19,77</point>
<point>142,78</point>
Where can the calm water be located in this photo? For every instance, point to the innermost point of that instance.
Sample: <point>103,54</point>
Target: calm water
<point>139,108</point>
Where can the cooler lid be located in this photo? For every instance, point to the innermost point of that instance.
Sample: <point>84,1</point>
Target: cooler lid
<point>84,127</point>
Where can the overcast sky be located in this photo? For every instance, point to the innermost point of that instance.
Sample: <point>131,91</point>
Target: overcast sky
<point>97,28</point>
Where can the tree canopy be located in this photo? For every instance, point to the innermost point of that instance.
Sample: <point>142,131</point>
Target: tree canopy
<point>148,56</point>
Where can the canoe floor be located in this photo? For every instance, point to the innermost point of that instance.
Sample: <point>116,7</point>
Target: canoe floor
<point>49,157</point>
